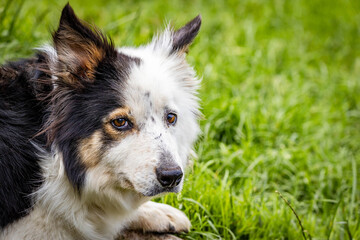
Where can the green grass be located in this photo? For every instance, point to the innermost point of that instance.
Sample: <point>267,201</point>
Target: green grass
<point>281,99</point>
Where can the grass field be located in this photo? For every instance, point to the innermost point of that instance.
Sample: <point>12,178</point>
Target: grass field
<point>281,99</point>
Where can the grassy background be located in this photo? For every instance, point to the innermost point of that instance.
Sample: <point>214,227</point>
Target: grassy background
<point>281,99</point>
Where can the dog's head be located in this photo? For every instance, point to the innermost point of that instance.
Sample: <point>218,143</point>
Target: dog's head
<point>122,118</point>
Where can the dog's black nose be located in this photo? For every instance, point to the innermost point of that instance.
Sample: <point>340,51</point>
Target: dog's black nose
<point>169,177</point>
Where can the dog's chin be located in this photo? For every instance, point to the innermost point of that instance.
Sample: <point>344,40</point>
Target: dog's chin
<point>158,191</point>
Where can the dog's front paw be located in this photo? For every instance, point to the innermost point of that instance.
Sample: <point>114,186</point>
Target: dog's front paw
<point>159,218</point>
<point>133,235</point>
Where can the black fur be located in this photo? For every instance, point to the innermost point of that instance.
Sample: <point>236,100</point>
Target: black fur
<point>21,116</point>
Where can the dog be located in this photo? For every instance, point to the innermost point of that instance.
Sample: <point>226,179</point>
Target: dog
<point>90,133</point>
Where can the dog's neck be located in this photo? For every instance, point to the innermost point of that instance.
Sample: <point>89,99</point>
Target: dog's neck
<point>93,214</point>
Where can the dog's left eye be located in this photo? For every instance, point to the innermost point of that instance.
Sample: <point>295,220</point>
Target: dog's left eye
<point>171,118</point>
<point>121,124</point>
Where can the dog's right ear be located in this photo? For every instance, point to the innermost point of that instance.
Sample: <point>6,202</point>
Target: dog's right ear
<point>183,37</point>
<point>79,48</point>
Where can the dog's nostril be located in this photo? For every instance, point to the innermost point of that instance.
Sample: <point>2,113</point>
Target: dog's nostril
<point>169,177</point>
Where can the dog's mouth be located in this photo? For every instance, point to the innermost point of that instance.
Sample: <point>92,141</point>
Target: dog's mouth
<point>150,191</point>
<point>157,190</point>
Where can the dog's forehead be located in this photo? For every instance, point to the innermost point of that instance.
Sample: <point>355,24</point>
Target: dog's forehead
<point>152,85</point>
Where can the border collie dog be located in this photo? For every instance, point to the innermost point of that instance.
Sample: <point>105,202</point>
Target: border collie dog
<point>90,133</point>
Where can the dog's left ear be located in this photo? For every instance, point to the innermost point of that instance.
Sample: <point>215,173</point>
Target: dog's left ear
<point>183,37</point>
<point>79,48</point>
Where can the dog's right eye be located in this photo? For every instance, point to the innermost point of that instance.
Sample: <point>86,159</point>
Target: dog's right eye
<point>121,124</point>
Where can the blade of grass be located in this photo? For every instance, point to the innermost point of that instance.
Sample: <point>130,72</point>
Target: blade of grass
<point>3,13</point>
<point>15,17</point>
<point>354,187</point>
<point>331,223</point>
<point>303,231</point>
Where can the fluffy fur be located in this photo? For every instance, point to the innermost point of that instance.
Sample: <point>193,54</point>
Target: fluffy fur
<point>91,133</point>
